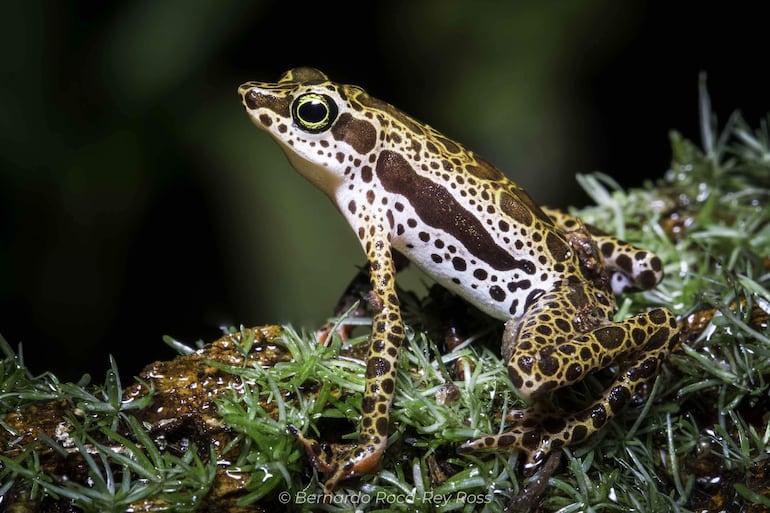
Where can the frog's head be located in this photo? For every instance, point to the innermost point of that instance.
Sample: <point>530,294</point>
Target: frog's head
<point>322,126</point>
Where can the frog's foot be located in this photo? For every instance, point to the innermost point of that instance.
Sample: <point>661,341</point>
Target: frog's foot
<point>338,462</point>
<point>536,431</point>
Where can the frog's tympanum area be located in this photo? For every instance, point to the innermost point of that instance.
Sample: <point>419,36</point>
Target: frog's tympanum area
<point>403,186</point>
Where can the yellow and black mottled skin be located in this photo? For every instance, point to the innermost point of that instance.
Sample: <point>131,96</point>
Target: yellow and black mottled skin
<point>403,186</point>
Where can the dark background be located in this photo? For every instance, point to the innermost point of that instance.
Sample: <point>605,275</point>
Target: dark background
<point>137,200</point>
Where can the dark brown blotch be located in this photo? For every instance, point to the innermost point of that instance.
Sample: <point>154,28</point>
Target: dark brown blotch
<point>382,426</point>
<point>376,367</point>
<point>618,397</point>
<point>257,100</point>
<point>484,170</point>
<point>548,365</point>
<point>450,145</point>
<point>437,207</point>
<point>647,279</point>
<point>574,372</point>
<point>579,433</point>
<point>366,174</point>
<point>515,209</point>
<point>598,415</point>
<point>624,262</point>
<point>530,440</point>
<point>557,247</point>
<point>367,404</point>
<point>610,337</point>
<point>265,120</point>
<point>358,133</point>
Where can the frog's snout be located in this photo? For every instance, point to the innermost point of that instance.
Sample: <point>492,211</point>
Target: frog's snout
<point>249,95</point>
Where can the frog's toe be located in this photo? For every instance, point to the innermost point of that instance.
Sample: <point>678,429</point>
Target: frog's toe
<point>529,441</point>
<point>338,462</point>
<point>535,431</point>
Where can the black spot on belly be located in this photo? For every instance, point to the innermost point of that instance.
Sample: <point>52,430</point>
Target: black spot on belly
<point>438,208</point>
<point>516,285</point>
<point>459,264</point>
<point>497,293</point>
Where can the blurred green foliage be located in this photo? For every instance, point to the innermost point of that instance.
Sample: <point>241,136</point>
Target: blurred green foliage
<point>136,200</point>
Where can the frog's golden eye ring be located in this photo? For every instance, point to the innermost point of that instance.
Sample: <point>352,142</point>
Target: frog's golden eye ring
<point>314,112</point>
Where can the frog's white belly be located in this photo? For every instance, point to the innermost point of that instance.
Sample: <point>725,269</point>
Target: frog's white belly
<point>500,294</point>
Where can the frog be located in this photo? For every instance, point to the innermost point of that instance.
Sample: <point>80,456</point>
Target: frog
<point>406,189</point>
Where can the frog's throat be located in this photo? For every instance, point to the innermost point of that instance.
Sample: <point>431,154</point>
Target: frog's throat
<point>317,174</point>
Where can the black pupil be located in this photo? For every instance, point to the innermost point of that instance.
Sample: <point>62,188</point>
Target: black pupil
<point>313,111</point>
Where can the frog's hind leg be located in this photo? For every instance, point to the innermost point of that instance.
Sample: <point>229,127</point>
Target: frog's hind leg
<point>557,344</point>
<point>631,268</point>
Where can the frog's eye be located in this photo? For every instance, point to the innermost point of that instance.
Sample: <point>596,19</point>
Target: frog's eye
<point>314,112</point>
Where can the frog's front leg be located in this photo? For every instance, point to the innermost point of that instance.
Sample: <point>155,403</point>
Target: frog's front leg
<point>566,335</point>
<point>343,461</point>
